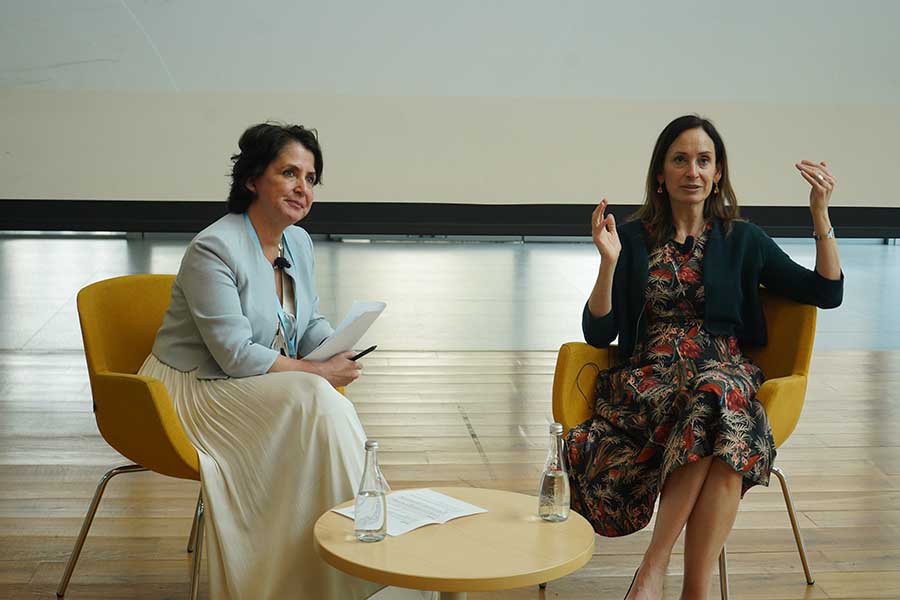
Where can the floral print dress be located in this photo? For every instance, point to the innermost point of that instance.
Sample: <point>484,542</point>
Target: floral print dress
<point>683,395</point>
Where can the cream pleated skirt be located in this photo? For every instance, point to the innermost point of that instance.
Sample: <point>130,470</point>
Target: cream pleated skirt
<point>276,451</point>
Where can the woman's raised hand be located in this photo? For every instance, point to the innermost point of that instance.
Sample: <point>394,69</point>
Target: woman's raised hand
<point>821,183</point>
<point>603,230</point>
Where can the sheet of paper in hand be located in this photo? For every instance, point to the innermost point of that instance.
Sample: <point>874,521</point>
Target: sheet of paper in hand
<point>349,331</point>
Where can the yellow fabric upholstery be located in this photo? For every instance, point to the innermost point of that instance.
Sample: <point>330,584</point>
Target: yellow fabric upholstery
<point>784,360</point>
<point>119,320</point>
<point>577,367</point>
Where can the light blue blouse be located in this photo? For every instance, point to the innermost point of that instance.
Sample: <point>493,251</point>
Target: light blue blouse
<point>222,319</point>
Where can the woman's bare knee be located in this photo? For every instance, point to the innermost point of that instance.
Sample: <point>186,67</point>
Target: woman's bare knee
<point>724,474</point>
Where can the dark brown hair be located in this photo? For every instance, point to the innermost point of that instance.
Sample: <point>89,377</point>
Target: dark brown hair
<point>656,211</point>
<point>260,145</point>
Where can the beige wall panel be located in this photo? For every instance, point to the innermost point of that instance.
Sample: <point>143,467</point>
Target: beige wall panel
<point>175,146</point>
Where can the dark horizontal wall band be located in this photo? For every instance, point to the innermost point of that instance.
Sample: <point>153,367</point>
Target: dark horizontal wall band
<point>402,218</point>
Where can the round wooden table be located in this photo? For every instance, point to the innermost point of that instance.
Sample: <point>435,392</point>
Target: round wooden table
<point>507,547</point>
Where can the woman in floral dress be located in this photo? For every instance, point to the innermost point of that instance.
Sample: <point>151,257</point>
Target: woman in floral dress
<point>678,418</point>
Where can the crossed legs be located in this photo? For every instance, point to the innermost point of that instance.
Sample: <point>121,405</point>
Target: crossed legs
<point>708,528</point>
<point>704,496</point>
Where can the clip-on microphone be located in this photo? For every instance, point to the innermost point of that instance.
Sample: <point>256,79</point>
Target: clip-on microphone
<point>281,263</point>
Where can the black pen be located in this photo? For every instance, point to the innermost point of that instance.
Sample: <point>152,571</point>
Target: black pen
<point>363,353</point>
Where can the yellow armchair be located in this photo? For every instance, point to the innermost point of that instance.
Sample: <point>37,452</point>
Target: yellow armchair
<point>135,415</point>
<point>784,360</point>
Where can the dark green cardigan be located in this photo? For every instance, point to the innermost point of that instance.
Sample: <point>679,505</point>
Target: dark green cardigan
<point>734,266</point>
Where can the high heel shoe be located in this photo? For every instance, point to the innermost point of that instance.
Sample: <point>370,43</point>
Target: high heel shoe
<point>631,585</point>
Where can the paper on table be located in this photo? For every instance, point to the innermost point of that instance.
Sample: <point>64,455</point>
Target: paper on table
<point>348,332</point>
<point>411,509</point>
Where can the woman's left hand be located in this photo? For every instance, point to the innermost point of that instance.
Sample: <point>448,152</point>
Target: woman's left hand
<point>821,183</point>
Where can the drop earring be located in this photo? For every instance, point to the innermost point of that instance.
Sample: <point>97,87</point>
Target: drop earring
<point>716,188</point>
<point>659,189</point>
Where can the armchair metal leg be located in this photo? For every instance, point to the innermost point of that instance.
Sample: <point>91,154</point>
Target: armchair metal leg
<point>88,519</point>
<point>198,552</point>
<point>193,537</point>
<point>789,503</point>
<point>723,574</point>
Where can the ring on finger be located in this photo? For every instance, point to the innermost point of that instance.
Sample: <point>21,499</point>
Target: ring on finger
<point>820,176</point>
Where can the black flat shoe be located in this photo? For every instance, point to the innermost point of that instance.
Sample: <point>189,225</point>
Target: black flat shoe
<point>631,585</point>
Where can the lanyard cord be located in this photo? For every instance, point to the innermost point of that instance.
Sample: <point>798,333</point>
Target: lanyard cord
<point>279,309</point>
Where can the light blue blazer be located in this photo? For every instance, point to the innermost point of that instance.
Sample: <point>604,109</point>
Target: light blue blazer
<point>223,317</point>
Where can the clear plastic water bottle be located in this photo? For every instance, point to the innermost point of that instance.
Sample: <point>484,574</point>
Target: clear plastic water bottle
<point>370,512</point>
<point>553,503</point>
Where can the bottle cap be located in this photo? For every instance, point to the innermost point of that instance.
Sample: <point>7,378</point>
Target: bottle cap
<point>371,444</point>
<point>556,428</point>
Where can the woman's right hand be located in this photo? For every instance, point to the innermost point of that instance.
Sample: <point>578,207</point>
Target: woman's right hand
<point>339,370</point>
<point>606,238</point>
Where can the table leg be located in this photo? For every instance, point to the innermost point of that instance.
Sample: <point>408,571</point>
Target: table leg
<point>453,596</point>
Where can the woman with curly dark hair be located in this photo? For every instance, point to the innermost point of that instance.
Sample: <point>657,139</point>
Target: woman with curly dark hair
<point>278,444</point>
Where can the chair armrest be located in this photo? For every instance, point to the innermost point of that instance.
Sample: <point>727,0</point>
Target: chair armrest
<point>136,416</point>
<point>782,398</point>
<point>577,366</point>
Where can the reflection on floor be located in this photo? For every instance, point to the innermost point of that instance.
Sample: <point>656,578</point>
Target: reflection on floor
<point>450,296</point>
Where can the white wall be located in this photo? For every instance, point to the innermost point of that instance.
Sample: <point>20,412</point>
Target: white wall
<point>485,102</point>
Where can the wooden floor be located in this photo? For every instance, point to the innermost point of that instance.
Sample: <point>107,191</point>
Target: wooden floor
<point>453,418</point>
